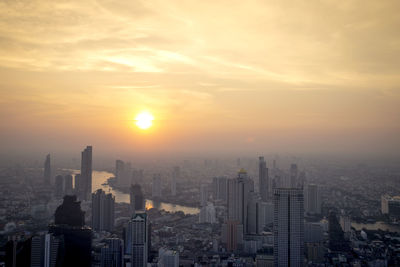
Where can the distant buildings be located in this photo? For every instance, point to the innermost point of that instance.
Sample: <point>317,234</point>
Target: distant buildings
<point>390,205</point>
<point>156,186</point>
<point>168,258</point>
<point>293,176</point>
<point>103,211</point>
<point>176,173</point>
<point>288,227</point>
<point>47,170</point>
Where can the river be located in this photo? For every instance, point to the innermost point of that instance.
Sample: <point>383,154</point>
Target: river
<point>100,177</point>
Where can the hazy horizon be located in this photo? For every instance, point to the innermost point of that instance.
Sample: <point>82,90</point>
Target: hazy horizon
<point>225,78</point>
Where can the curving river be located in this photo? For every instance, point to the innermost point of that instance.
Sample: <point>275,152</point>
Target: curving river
<point>100,177</point>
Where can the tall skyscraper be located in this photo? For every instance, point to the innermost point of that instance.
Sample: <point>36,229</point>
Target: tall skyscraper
<point>312,199</point>
<point>44,250</point>
<point>288,227</point>
<point>232,235</point>
<point>203,195</point>
<point>176,173</point>
<point>59,186</point>
<point>102,211</point>
<point>207,214</point>
<point>137,200</point>
<point>238,191</point>
<point>85,184</point>
<point>220,188</point>
<point>138,228</point>
<point>263,183</point>
<point>112,253</point>
<point>293,175</point>
<point>76,239</point>
<point>156,186</point>
<point>68,189</point>
<point>47,170</point>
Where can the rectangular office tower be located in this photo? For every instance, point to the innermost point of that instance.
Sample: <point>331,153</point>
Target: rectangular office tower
<point>139,235</point>
<point>288,227</point>
<point>44,250</point>
<point>85,182</point>
<point>102,211</point>
<point>112,253</point>
<point>263,182</point>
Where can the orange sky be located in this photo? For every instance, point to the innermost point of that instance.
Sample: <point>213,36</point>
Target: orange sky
<point>253,76</point>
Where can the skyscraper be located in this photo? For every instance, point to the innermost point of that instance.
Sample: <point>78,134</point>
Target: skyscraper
<point>220,188</point>
<point>263,183</point>
<point>176,173</point>
<point>288,227</point>
<point>68,189</point>
<point>203,195</point>
<point>44,250</point>
<point>293,175</point>
<point>312,199</point>
<point>138,228</point>
<point>137,200</point>
<point>112,253</point>
<point>156,186</point>
<point>47,170</point>
<point>85,184</point>
<point>238,190</point>
<point>168,258</point>
<point>59,186</point>
<point>102,211</point>
<point>76,239</point>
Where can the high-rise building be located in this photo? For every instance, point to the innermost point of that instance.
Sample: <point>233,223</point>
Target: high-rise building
<point>103,211</point>
<point>390,205</point>
<point>312,199</point>
<point>85,184</point>
<point>232,235</point>
<point>47,170</point>
<point>263,182</point>
<point>238,190</point>
<point>220,188</point>
<point>119,170</point>
<point>207,214</point>
<point>139,238</point>
<point>137,200</point>
<point>203,195</point>
<point>59,186</point>
<point>293,175</point>
<point>112,253</point>
<point>68,188</point>
<point>168,258</point>
<point>156,186</point>
<point>44,250</point>
<point>288,227</point>
<point>176,173</point>
<point>76,239</point>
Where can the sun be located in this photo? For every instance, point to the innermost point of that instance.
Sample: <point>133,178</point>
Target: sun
<point>144,120</point>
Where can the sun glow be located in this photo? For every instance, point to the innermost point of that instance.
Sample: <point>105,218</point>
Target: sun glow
<point>144,120</point>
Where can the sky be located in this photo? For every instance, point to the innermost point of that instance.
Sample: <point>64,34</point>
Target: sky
<point>218,76</point>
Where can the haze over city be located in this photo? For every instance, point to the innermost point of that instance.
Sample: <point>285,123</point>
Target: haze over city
<point>189,133</point>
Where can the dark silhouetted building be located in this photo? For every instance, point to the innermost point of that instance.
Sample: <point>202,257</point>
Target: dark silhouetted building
<point>75,239</point>
<point>112,253</point>
<point>137,199</point>
<point>85,181</point>
<point>263,183</point>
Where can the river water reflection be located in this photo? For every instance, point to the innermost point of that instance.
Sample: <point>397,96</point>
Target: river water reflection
<point>100,177</point>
